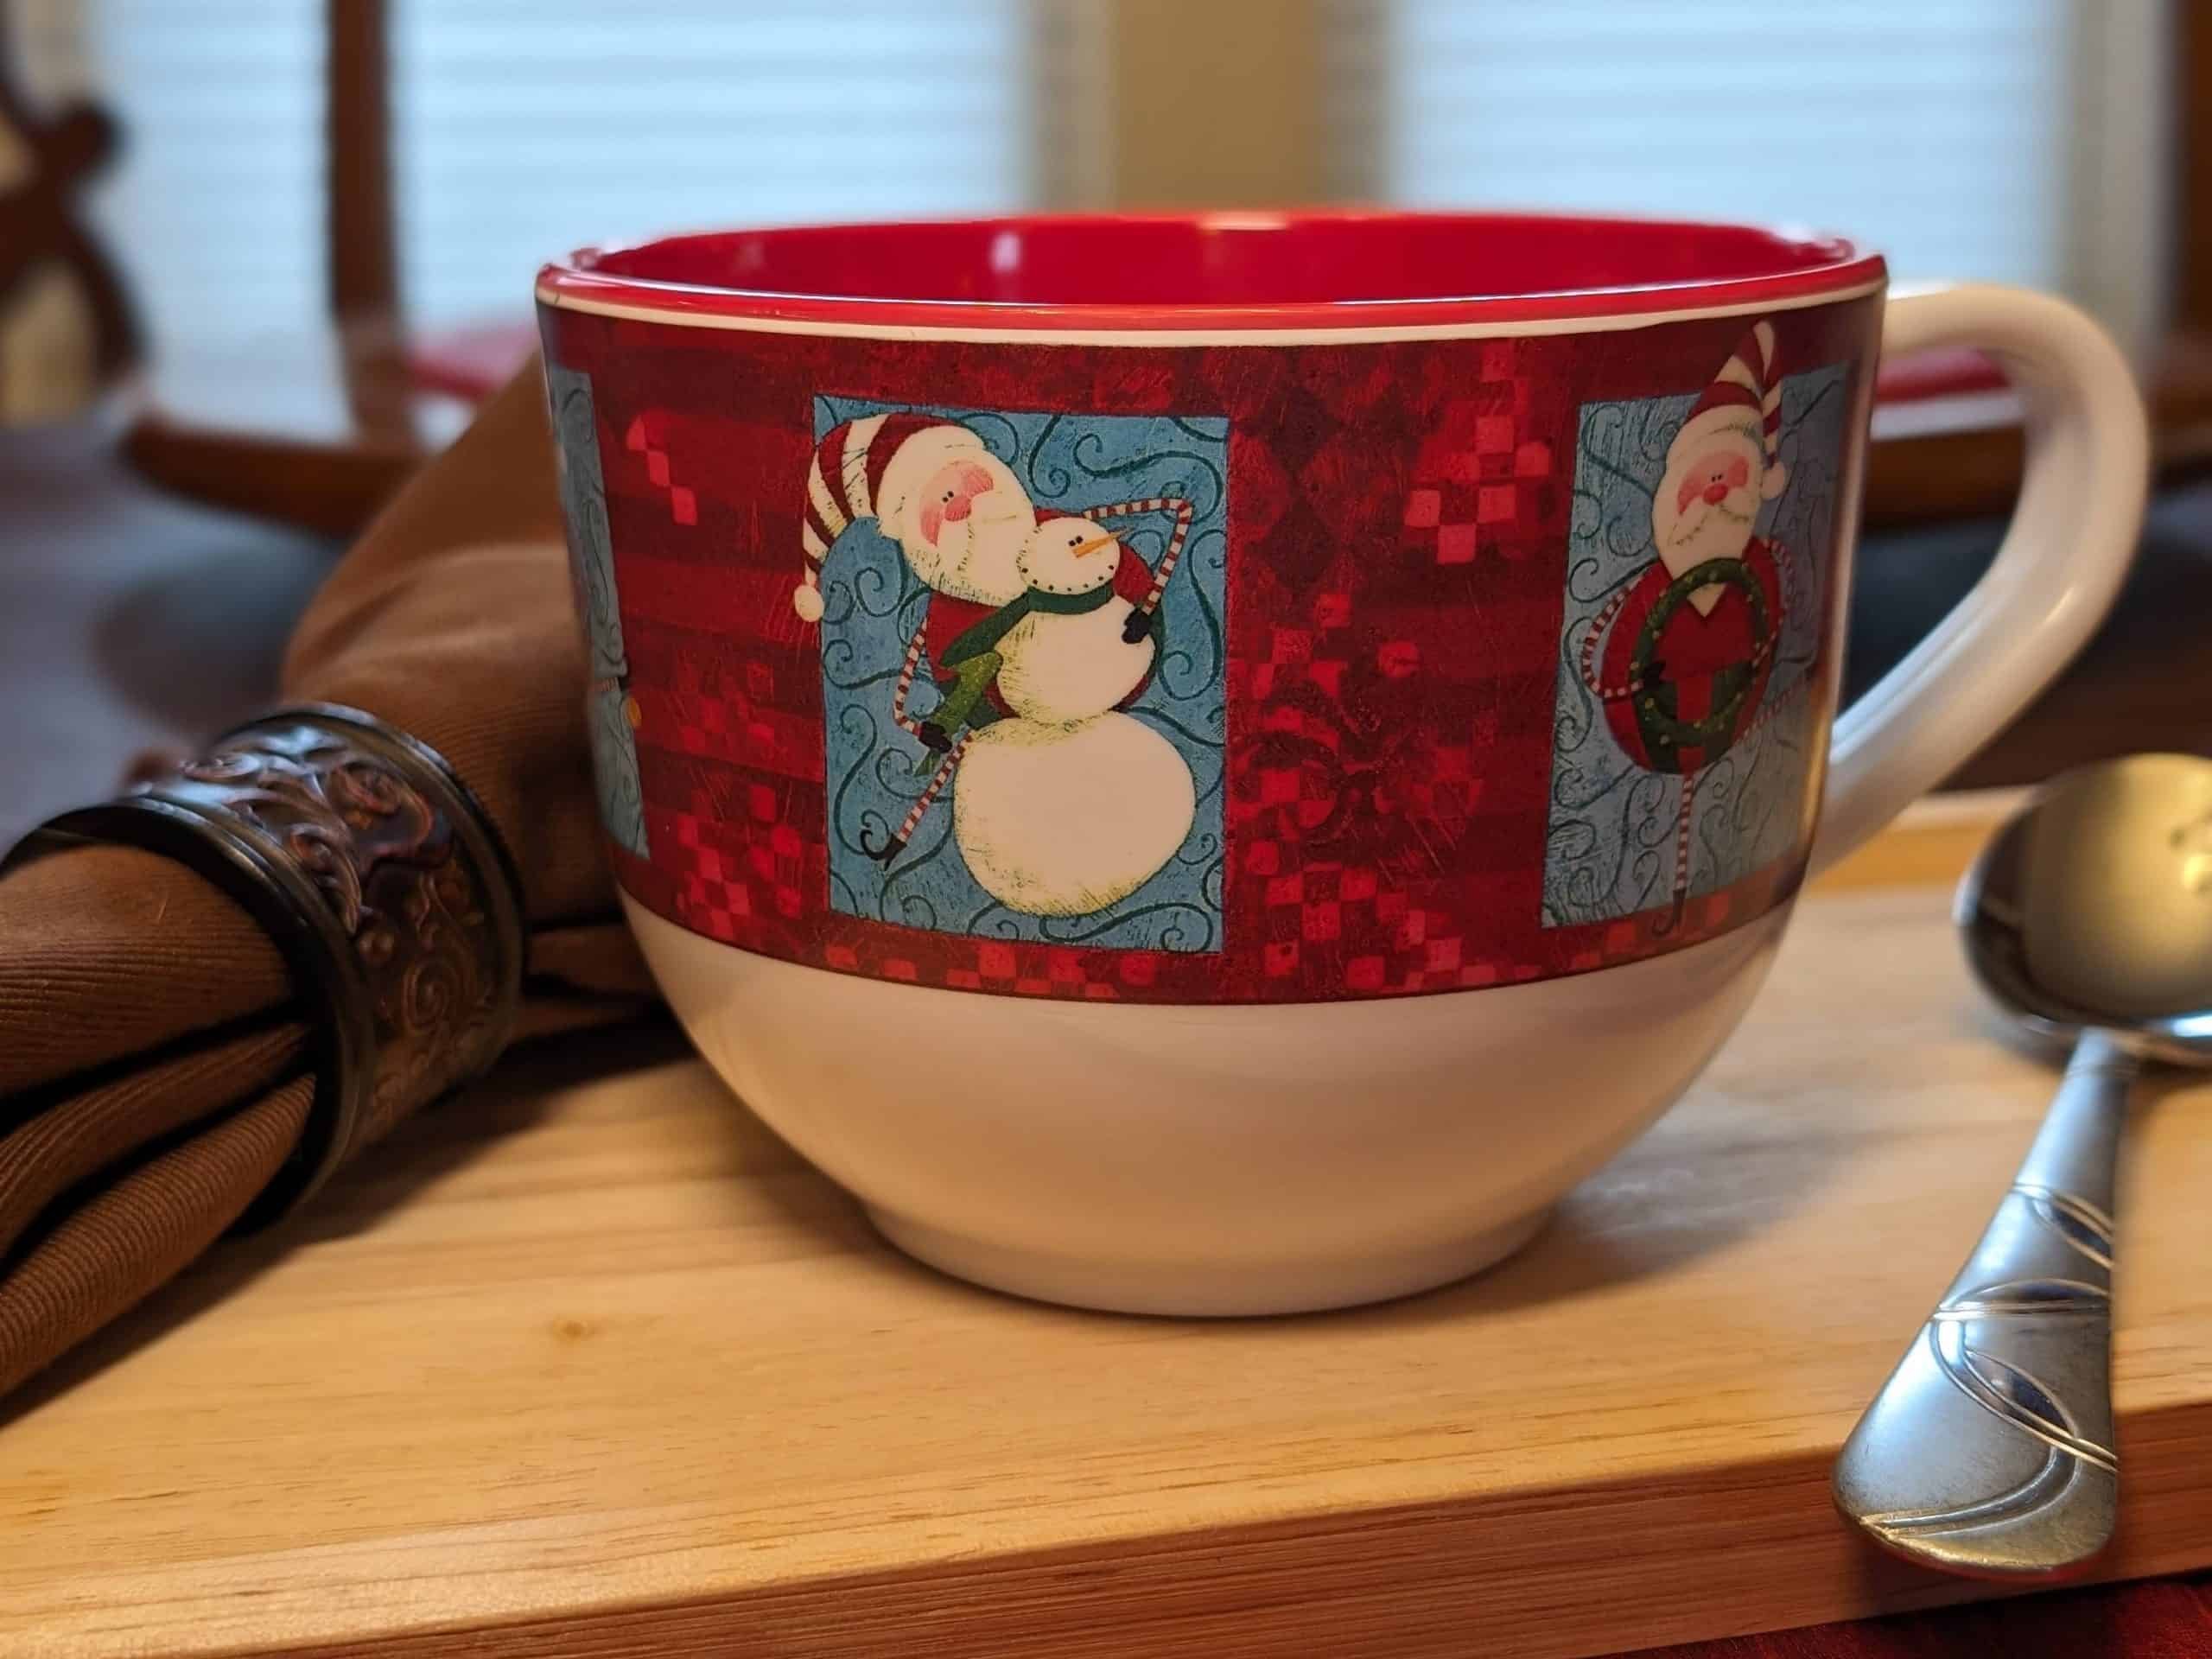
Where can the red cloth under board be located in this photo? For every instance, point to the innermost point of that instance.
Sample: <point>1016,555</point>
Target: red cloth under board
<point>2156,1618</point>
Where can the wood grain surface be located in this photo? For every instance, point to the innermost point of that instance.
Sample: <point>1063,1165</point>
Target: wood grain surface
<point>589,1364</point>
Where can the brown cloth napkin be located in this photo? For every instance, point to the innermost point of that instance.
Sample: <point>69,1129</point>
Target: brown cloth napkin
<point>154,1068</point>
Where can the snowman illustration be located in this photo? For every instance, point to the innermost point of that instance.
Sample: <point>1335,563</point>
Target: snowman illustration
<point>1074,642</point>
<point>1070,806</point>
<point>1680,657</point>
<point>1036,619</point>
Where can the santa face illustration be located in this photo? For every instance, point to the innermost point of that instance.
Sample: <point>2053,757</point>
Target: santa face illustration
<point>1721,467</point>
<point>1681,657</point>
<point>957,512</point>
<point>1710,510</point>
<point>963,527</point>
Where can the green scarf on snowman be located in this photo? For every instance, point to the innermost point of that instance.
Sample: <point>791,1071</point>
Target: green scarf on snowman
<point>975,660</point>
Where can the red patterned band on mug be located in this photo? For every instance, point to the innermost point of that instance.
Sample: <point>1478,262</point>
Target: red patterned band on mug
<point>1225,671</point>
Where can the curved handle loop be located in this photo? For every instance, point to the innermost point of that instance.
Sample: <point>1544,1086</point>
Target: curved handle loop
<point>2072,538</point>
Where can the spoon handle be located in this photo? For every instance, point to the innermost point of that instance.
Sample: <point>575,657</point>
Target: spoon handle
<point>1989,1451</point>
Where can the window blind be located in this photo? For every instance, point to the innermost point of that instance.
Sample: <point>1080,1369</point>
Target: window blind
<point>215,206</point>
<point>2014,140</point>
<point>1967,139</point>
<point>522,128</point>
<point>525,127</point>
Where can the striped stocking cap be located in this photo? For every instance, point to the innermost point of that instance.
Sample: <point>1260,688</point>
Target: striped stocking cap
<point>1744,399</point>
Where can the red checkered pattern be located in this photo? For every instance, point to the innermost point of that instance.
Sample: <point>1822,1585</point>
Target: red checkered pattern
<point>1398,524</point>
<point>1485,482</point>
<point>647,438</point>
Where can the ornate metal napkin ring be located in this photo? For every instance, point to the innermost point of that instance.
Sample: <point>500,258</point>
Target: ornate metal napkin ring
<point>383,881</point>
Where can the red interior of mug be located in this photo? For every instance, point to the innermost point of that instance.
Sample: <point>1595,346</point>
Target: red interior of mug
<point>1308,267</point>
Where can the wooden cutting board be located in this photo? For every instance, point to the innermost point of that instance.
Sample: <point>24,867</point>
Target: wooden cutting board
<point>587,1363</point>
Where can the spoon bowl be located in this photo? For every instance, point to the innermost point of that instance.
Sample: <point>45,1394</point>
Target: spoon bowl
<point>2092,909</point>
<point>2088,917</point>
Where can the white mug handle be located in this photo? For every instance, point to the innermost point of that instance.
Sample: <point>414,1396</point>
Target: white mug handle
<point>2070,542</point>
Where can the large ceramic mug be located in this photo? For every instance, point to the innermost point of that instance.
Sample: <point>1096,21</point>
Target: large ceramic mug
<point>1220,763</point>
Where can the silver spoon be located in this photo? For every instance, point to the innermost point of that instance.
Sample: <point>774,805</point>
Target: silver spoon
<point>1989,1451</point>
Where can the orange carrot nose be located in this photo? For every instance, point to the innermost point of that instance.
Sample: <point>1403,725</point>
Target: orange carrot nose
<point>1083,550</point>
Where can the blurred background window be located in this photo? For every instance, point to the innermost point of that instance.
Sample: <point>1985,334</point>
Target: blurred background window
<point>215,209</point>
<point>2023,140</point>
<point>1992,140</point>
<point>520,126</point>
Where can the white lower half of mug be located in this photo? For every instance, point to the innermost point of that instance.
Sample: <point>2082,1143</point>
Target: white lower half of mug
<point>1208,1160</point>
